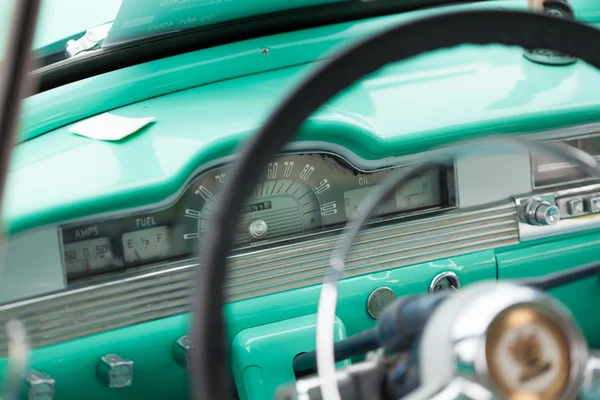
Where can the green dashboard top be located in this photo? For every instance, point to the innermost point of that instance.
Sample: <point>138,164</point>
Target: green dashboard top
<point>207,102</point>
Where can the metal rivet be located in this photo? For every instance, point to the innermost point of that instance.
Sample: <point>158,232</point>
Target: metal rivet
<point>115,371</point>
<point>181,351</point>
<point>264,50</point>
<point>378,300</point>
<point>40,386</point>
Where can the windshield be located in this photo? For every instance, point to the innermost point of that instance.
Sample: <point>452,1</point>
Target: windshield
<point>125,21</point>
<point>138,19</point>
<point>62,20</point>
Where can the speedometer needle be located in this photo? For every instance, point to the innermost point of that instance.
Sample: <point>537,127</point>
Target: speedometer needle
<point>138,255</point>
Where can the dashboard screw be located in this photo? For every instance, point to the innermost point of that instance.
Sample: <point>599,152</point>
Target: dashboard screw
<point>264,50</point>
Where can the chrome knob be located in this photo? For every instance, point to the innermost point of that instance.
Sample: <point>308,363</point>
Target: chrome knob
<point>547,214</point>
<point>181,351</point>
<point>541,212</point>
<point>258,229</point>
<point>114,371</point>
<point>40,386</point>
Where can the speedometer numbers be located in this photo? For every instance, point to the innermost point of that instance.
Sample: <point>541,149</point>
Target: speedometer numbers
<point>292,197</point>
<point>297,194</point>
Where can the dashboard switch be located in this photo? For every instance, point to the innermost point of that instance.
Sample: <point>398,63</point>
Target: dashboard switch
<point>575,206</point>
<point>540,212</point>
<point>40,386</point>
<point>594,204</point>
<point>181,351</point>
<point>115,371</point>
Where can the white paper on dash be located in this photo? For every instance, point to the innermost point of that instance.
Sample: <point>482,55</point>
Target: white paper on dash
<point>110,127</point>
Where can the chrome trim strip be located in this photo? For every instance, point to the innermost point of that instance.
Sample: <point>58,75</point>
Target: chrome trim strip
<point>166,291</point>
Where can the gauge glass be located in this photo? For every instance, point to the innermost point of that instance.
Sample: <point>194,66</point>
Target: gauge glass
<point>353,199</point>
<point>420,192</point>
<point>294,195</point>
<point>87,256</point>
<point>147,244</point>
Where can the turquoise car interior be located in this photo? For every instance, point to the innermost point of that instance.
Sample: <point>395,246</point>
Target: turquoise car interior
<point>137,125</point>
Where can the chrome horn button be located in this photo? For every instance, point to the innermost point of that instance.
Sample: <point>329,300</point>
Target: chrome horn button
<point>513,341</point>
<point>528,355</point>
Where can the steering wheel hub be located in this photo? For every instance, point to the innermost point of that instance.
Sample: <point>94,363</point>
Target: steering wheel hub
<point>528,355</point>
<point>510,340</point>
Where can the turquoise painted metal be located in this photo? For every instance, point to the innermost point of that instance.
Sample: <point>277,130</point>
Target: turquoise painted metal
<point>149,345</point>
<point>208,102</point>
<point>261,355</point>
<point>57,177</point>
<point>81,99</point>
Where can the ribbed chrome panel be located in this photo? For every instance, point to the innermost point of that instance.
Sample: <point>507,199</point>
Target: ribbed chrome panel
<point>161,293</point>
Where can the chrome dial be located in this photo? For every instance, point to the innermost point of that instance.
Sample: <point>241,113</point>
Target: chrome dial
<point>540,212</point>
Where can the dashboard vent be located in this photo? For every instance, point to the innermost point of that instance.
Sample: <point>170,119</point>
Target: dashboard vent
<point>165,292</point>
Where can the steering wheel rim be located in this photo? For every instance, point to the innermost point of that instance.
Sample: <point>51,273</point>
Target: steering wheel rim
<point>209,360</point>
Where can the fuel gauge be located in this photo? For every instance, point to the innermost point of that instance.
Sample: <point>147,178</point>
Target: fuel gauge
<point>147,244</point>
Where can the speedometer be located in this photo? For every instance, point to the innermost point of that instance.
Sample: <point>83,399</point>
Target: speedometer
<point>294,195</point>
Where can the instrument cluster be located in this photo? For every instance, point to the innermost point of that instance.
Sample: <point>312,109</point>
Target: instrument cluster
<point>297,194</point>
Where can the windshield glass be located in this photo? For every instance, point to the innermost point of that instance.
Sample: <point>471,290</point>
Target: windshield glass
<point>124,21</point>
<point>133,20</point>
<point>62,20</point>
<point>138,19</point>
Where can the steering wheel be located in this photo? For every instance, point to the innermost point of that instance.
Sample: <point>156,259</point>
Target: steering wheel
<point>209,361</point>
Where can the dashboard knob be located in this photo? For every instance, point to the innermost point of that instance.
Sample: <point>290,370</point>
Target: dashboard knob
<point>181,351</point>
<point>114,371</point>
<point>40,386</point>
<point>258,229</point>
<point>541,212</point>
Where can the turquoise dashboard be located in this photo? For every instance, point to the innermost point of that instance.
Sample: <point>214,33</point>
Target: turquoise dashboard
<point>103,234</point>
